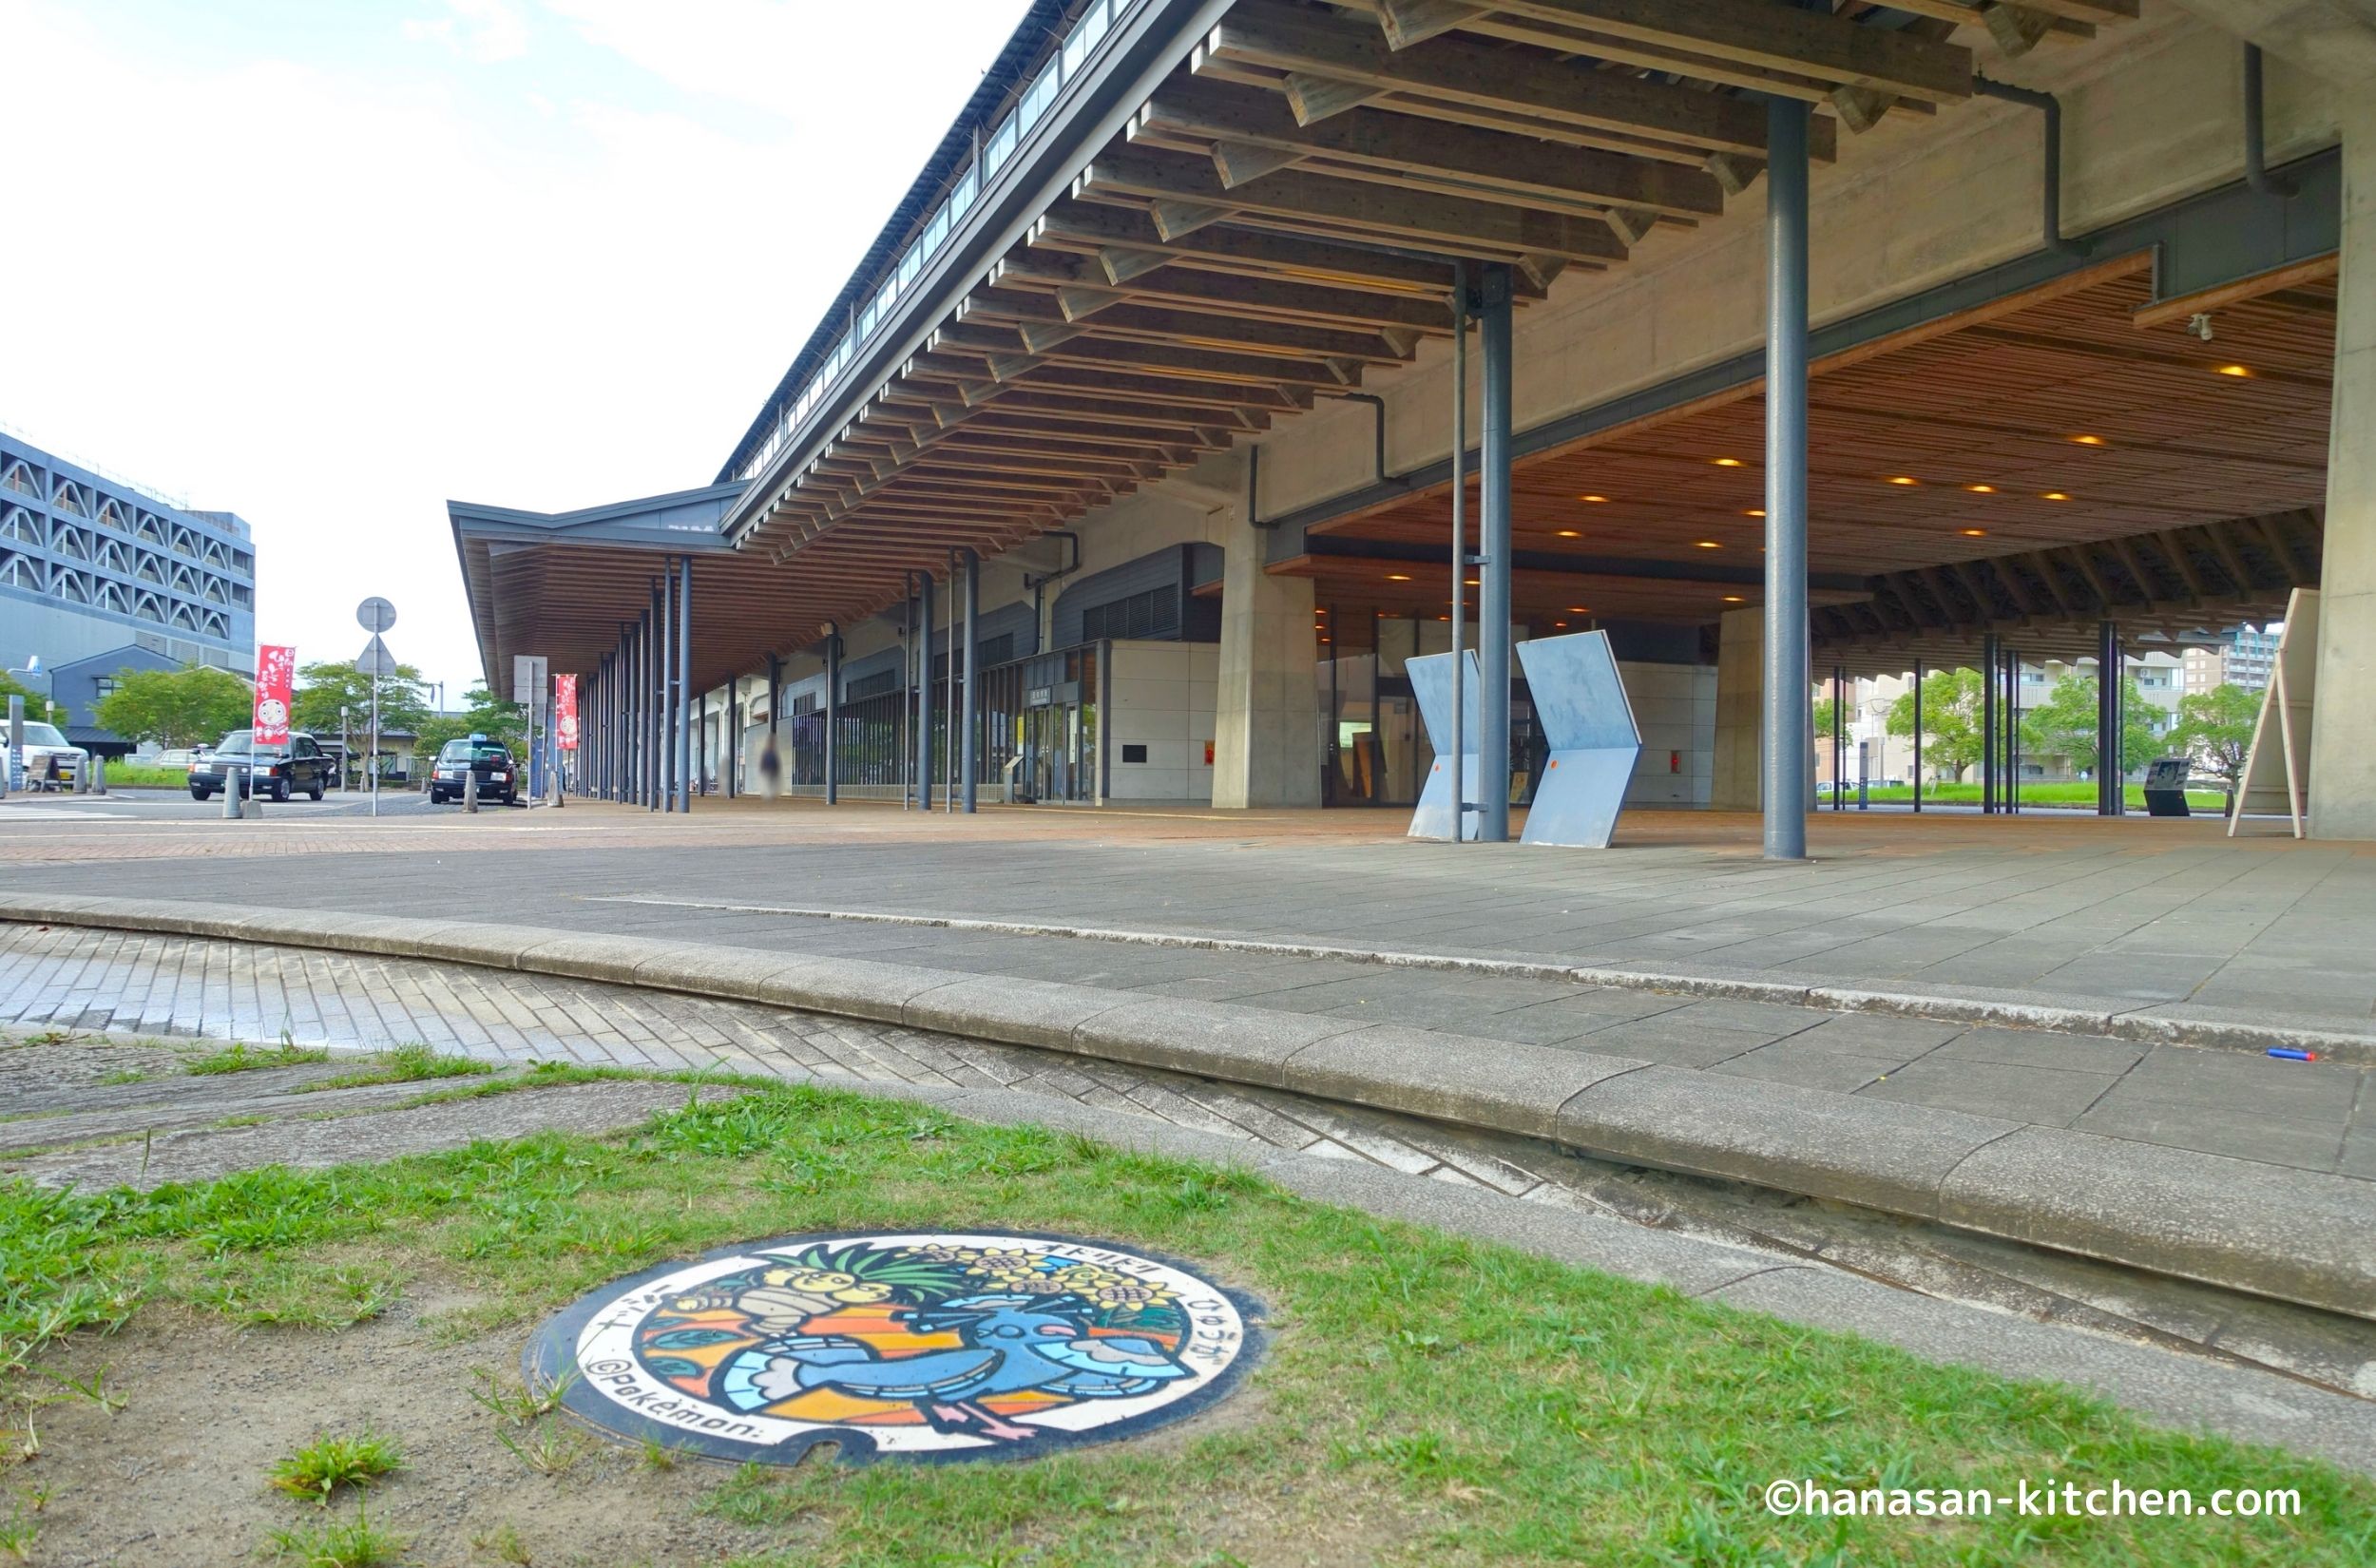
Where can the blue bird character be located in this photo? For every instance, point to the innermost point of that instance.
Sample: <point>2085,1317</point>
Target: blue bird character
<point>1011,1344</point>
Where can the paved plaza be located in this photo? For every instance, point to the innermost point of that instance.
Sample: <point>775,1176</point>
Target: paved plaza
<point>2141,918</point>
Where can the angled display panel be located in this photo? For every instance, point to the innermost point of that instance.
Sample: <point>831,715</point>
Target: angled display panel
<point>1431,684</point>
<point>1580,700</point>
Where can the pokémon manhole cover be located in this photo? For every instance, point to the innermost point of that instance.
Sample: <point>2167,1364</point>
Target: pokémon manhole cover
<point>922,1346</point>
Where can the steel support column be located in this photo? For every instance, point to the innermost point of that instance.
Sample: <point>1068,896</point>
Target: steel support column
<point>833,716</point>
<point>1784,782</point>
<point>2110,791</point>
<point>655,694</point>
<point>1493,596</point>
<point>970,706</point>
<point>2012,731</point>
<point>1460,551</point>
<point>1917,776</point>
<point>684,683</point>
<point>1988,660</point>
<point>923,691</point>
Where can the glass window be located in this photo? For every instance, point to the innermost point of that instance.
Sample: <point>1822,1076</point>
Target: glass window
<point>1001,145</point>
<point>962,197</point>
<point>42,735</point>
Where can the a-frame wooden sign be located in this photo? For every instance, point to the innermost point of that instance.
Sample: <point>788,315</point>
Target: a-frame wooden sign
<point>2278,769</point>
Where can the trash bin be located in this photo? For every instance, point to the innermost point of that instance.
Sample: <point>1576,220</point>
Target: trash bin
<point>2165,787</point>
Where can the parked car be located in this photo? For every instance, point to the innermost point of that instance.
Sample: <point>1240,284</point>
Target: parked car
<point>279,772</point>
<point>498,779</point>
<point>51,760</point>
<point>176,756</point>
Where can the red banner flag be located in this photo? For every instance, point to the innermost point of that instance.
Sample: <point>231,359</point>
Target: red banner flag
<point>565,711</point>
<point>275,674</point>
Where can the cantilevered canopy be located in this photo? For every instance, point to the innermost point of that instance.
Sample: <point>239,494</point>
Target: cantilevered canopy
<point>565,584</point>
<point>1263,224</point>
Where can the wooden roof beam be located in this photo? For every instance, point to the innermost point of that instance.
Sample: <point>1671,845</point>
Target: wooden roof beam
<point>1397,143</point>
<point>1406,216</point>
<point>1226,332</point>
<point>1106,235</point>
<point>1497,80</point>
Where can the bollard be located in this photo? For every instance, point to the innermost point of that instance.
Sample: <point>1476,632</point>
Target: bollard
<point>82,776</point>
<point>469,789</point>
<point>232,809</point>
<point>98,775</point>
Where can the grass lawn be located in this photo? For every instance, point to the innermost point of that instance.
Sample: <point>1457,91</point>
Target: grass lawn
<point>2032,794</point>
<point>1424,1399</point>
<point>134,775</point>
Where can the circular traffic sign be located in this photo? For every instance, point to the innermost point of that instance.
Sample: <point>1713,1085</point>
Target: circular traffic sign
<point>376,614</point>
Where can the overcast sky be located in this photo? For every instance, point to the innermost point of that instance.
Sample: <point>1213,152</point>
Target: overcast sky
<point>328,264</point>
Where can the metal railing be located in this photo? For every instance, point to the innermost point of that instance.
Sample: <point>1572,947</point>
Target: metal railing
<point>991,153</point>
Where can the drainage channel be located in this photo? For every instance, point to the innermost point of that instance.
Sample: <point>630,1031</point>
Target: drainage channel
<point>80,994</point>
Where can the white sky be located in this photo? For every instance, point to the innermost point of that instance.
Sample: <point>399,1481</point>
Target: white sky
<point>328,264</point>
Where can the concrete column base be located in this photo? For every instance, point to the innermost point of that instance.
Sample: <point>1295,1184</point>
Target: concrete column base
<point>2342,734</point>
<point>1740,695</point>
<point>1266,742</point>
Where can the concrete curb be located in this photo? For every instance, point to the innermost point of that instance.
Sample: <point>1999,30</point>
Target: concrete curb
<point>2294,1235</point>
<point>2155,1024</point>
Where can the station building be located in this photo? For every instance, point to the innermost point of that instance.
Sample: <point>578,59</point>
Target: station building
<point>1777,342</point>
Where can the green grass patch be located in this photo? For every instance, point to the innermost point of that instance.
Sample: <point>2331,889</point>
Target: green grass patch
<point>413,1064</point>
<point>345,1544</point>
<point>320,1469</point>
<point>2033,794</point>
<point>137,776</point>
<point>1427,1399</point>
<point>239,1057</point>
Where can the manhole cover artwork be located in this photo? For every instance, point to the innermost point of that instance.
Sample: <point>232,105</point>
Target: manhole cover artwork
<point>928,1346</point>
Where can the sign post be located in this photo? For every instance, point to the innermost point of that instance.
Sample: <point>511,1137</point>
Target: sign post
<point>529,674</point>
<point>376,615</point>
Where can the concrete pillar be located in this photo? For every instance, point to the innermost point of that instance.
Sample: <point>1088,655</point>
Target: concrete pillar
<point>1740,698</point>
<point>2343,736</point>
<point>1266,744</point>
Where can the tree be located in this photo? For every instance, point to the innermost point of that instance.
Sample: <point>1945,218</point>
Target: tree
<point>2215,729</point>
<point>2064,724</point>
<point>1950,720</point>
<point>485,713</point>
<point>324,688</point>
<point>193,706</point>
<point>1827,710</point>
<point>9,688</point>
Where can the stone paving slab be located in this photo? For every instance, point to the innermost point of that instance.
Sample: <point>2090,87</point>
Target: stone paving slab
<point>2127,927</point>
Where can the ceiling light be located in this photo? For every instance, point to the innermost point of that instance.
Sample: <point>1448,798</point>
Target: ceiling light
<point>2235,370</point>
<point>1570,533</point>
<point>2055,495</point>
<point>1728,461</point>
<point>1470,581</point>
<point>1755,511</point>
<point>1982,489</point>
<point>1709,545</point>
<point>2089,440</point>
<point>1903,479</point>
<point>1579,609</point>
<point>1444,618</point>
<point>1733,598</point>
<point>1596,500</point>
<point>1559,626</point>
<point>1975,533</point>
<point>1398,577</point>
